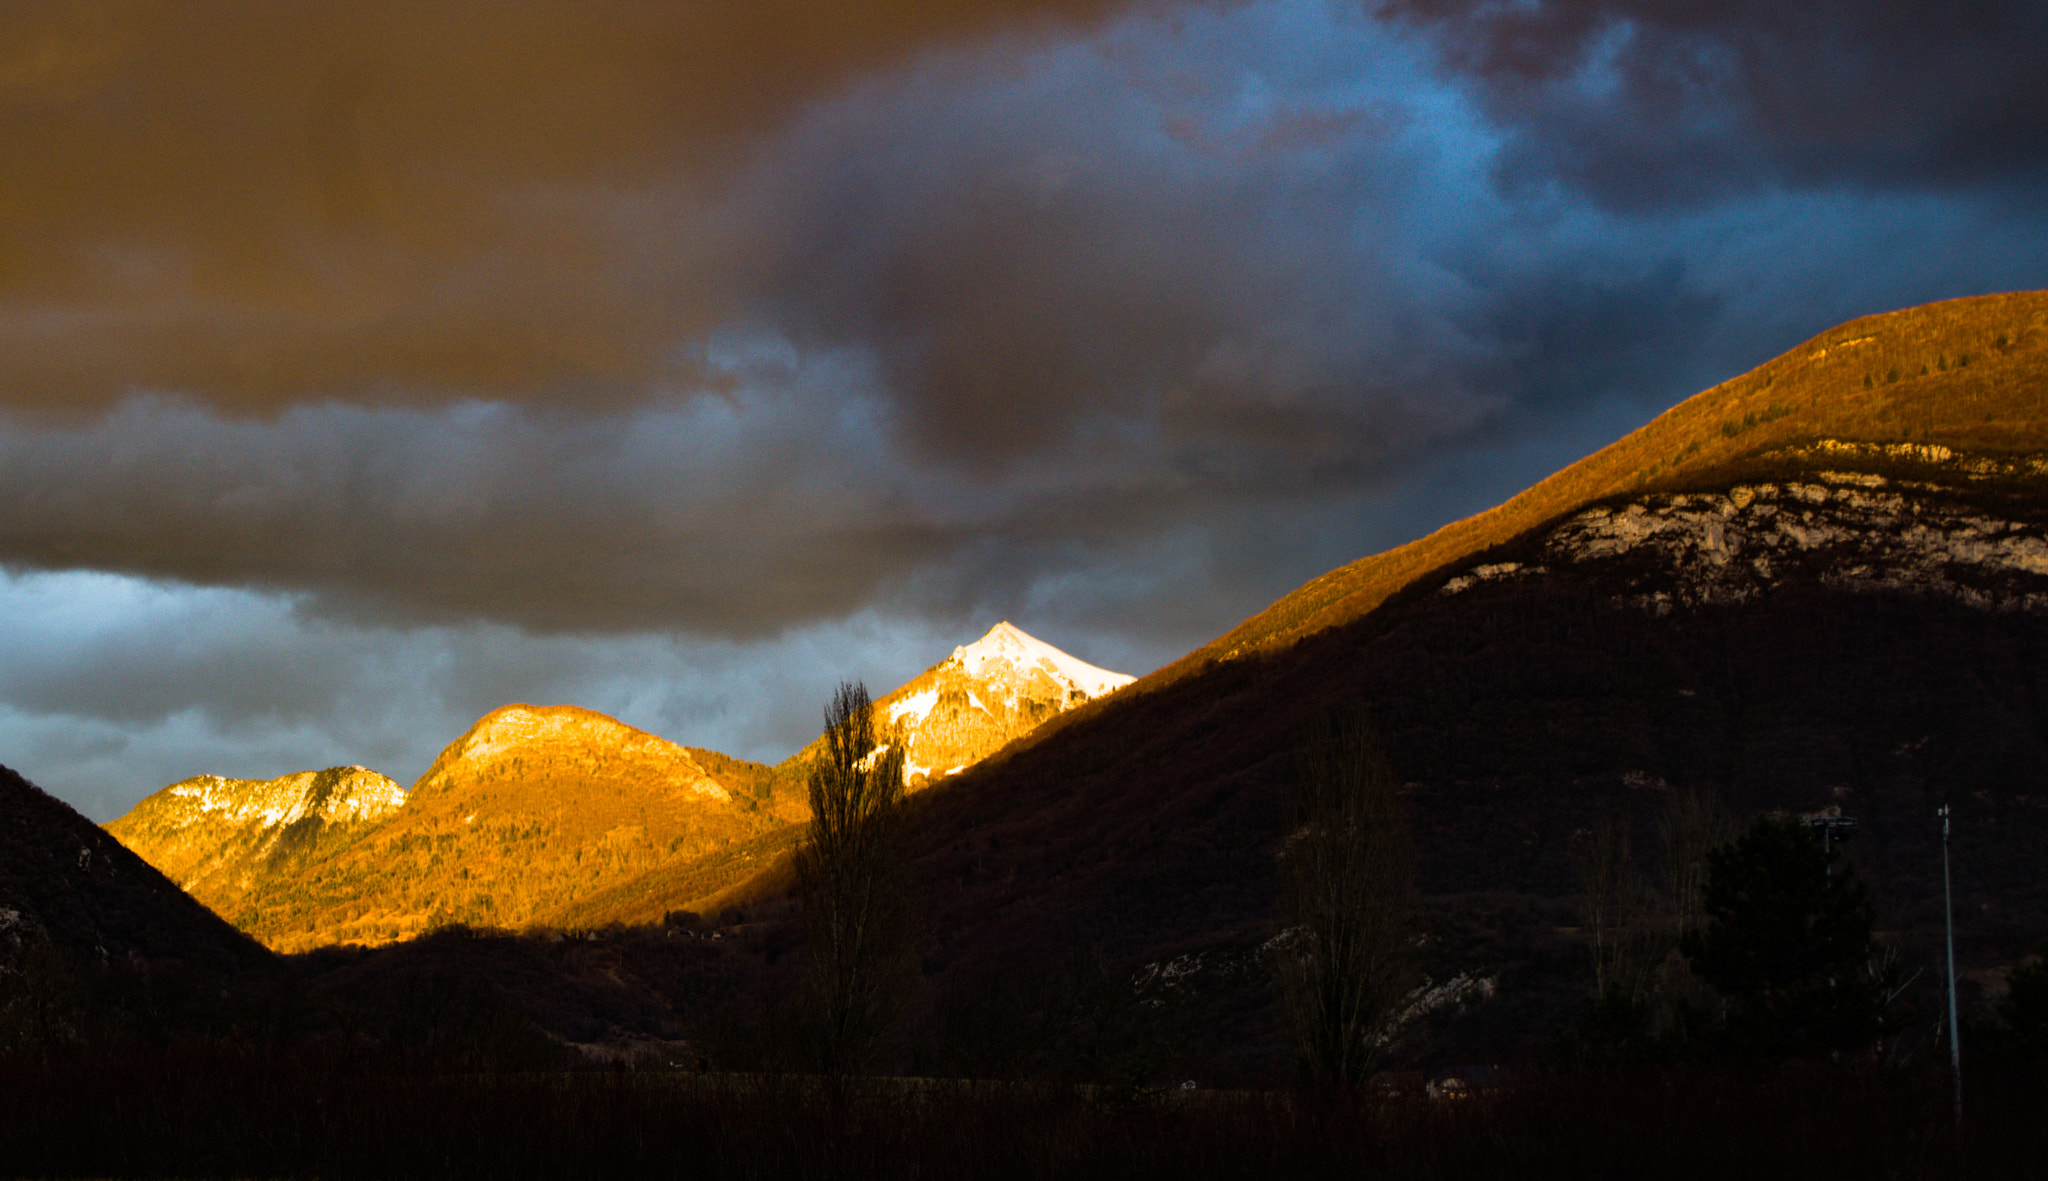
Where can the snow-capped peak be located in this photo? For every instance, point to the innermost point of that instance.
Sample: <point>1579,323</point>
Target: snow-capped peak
<point>986,694</point>
<point>1006,642</point>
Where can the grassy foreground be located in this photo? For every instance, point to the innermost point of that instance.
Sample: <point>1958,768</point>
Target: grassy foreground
<point>213,1112</point>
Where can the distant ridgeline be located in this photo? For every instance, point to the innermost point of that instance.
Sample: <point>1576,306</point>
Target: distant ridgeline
<point>553,815</point>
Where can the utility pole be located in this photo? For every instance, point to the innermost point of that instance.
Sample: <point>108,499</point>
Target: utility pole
<point>1955,1044</point>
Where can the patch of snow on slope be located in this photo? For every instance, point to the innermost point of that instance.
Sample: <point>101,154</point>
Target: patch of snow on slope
<point>357,794</point>
<point>514,726</point>
<point>915,706</point>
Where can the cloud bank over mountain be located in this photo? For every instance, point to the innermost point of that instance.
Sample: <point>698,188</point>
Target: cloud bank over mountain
<point>489,349</point>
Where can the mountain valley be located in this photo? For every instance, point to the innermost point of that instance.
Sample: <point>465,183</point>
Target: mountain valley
<point>1820,588</point>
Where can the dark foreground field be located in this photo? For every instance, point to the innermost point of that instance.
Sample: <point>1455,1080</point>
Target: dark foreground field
<point>215,1113</point>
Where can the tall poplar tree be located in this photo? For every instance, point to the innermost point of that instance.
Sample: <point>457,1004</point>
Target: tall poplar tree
<point>1349,888</point>
<point>849,869</point>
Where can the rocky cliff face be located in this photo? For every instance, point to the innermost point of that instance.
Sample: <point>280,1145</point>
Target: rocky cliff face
<point>216,836</point>
<point>1942,531</point>
<point>985,694</point>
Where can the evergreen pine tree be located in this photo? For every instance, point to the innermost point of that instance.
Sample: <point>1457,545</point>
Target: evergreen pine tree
<point>1787,943</point>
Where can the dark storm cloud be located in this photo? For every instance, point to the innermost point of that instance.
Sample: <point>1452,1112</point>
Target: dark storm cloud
<point>1645,103</point>
<point>1592,327</point>
<point>1004,313</point>
<point>257,202</point>
<point>255,205</point>
<point>1086,253</point>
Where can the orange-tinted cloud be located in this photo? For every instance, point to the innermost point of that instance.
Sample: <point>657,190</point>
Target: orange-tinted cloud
<point>258,202</point>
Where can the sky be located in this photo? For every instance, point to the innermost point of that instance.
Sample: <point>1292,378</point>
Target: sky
<point>366,367</point>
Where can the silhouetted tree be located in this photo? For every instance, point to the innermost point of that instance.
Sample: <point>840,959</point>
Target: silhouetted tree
<point>1349,888</point>
<point>855,919</point>
<point>1787,942</point>
<point>1642,991</point>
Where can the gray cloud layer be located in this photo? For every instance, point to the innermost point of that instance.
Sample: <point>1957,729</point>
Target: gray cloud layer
<point>1008,304</point>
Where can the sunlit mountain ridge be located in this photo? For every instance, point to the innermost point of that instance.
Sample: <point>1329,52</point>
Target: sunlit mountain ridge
<point>1966,375</point>
<point>219,837</point>
<point>552,814</point>
<point>531,806</point>
<point>976,701</point>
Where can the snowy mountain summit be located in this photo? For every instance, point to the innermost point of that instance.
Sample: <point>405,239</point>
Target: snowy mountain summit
<point>985,694</point>
<point>1005,645</point>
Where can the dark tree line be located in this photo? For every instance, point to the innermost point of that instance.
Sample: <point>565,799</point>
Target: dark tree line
<point>1763,949</point>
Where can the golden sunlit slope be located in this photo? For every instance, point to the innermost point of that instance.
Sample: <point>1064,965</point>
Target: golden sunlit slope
<point>220,839</point>
<point>948,718</point>
<point>1969,374</point>
<point>703,884</point>
<point>531,808</point>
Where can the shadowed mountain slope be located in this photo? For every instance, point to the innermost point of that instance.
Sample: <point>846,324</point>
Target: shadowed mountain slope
<point>1793,592</point>
<point>66,884</point>
<point>1852,400</point>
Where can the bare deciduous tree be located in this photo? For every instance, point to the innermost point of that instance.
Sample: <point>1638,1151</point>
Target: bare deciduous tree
<point>1621,936</point>
<point>849,869</point>
<point>1693,823</point>
<point>1349,884</point>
